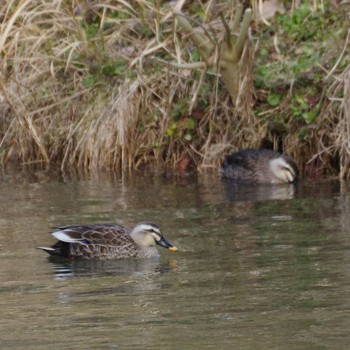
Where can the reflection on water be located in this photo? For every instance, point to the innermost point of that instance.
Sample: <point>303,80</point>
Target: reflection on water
<point>257,267</point>
<point>243,192</point>
<point>64,269</point>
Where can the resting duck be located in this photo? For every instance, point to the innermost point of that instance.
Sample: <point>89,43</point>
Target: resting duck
<point>108,241</point>
<point>260,166</point>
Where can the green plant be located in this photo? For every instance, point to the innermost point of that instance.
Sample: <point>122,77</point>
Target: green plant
<point>302,110</point>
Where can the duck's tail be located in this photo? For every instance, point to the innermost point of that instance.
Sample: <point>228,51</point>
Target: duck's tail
<point>49,250</point>
<point>58,249</point>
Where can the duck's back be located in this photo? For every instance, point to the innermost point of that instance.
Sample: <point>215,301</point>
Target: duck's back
<point>250,165</point>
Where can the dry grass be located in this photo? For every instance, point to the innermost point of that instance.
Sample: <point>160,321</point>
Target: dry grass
<point>51,114</point>
<point>336,143</point>
<point>82,85</point>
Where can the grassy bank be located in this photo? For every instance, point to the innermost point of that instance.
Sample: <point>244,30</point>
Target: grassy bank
<point>90,86</point>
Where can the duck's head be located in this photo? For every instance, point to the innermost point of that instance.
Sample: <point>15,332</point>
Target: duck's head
<point>147,234</point>
<point>284,169</point>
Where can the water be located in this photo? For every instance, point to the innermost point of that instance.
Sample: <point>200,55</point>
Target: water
<point>257,267</point>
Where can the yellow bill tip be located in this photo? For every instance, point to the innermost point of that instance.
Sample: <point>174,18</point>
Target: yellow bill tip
<point>174,249</point>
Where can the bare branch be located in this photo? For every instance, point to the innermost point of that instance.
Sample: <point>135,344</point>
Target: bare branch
<point>227,30</point>
<point>202,42</point>
<point>243,32</point>
<point>194,65</point>
<point>238,13</point>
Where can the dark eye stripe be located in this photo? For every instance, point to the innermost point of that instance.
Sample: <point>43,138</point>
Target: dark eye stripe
<point>291,170</point>
<point>156,232</point>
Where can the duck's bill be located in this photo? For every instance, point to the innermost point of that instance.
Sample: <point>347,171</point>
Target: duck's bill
<point>162,242</point>
<point>174,249</point>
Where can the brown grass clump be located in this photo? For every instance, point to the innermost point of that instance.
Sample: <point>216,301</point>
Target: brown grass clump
<point>82,85</point>
<point>337,115</point>
<point>90,84</point>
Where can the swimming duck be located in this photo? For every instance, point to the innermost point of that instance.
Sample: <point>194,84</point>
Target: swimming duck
<point>260,166</point>
<point>108,241</point>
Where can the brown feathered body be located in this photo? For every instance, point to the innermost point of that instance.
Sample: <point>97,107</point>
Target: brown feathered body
<point>108,241</point>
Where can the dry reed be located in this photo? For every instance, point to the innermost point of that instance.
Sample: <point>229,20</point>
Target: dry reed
<point>81,85</point>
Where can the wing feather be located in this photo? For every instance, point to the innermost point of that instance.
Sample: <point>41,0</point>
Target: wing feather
<point>106,234</point>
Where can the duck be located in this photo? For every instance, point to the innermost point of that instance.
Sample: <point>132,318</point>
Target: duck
<point>260,166</point>
<point>108,241</point>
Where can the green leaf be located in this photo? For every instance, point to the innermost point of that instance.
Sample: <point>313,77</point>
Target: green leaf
<point>273,99</point>
<point>119,67</point>
<point>107,70</point>
<point>188,137</point>
<point>172,129</point>
<point>263,71</point>
<point>92,29</point>
<point>189,124</point>
<point>196,56</point>
<point>89,81</point>
<point>309,117</point>
<point>299,99</point>
<point>264,52</point>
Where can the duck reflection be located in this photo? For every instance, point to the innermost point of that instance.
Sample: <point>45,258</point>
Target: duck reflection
<point>244,192</point>
<point>64,269</point>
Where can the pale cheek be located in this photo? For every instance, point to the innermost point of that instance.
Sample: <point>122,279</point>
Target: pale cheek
<point>290,177</point>
<point>151,241</point>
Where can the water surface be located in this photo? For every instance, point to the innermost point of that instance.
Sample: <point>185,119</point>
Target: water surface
<point>257,267</point>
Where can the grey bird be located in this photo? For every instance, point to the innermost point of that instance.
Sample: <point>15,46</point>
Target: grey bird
<point>260,166</point>
<point>108,241</point>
